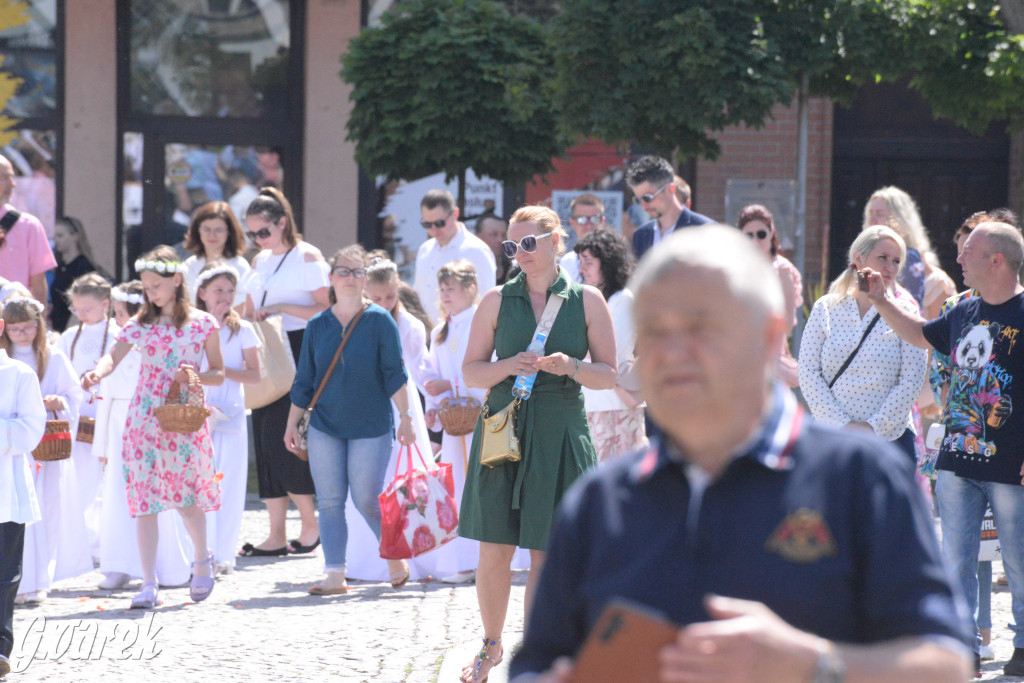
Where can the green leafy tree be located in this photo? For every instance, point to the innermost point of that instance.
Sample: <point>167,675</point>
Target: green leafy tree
<point>969,65</point>
<point>447,86</point>
<point>664,74</point>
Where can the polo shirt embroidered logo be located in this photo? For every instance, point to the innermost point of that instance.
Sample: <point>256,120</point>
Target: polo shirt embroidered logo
<point>802,537</point>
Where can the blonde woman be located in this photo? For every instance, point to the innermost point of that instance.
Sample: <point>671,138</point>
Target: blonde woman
<point>855,372</point>
<point>512,504</point>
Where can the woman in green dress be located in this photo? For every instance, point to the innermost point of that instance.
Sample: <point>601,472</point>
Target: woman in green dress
<point>512,505</point>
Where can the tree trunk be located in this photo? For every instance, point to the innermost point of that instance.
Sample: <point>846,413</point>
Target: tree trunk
<point>1012,14</point>
<point>461,199</point>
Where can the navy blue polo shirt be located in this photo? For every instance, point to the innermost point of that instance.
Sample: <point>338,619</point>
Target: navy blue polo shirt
<point>825,527</point>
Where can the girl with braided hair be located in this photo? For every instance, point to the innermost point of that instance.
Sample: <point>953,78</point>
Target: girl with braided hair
<point>84,344</point>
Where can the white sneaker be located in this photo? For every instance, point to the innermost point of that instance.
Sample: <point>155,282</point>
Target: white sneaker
<point>461,577</point>
<point>36,597</point>
<point>113,580</point>
<point>987,653</point>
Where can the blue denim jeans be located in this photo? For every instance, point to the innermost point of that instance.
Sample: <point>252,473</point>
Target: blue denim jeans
<point>961,508</point>
<point>984,615</point>
<point>340,466</point>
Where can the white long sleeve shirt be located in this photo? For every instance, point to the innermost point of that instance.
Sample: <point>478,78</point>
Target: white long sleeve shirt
<point>22,423</point>
<point>880,385</point>
<point>432,256</point>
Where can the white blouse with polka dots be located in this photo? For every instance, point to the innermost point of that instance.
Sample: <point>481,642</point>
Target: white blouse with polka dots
<point>880,385</point>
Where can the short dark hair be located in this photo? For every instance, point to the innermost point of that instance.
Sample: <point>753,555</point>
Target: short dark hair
<point>436,198</point>
<point>615,255</point>
<point>650,169</point>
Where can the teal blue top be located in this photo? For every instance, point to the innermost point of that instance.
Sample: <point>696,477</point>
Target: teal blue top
<point>356,403</point>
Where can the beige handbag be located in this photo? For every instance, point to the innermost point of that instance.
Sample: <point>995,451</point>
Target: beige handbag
<point>499,443</point>
<point>277,364</point>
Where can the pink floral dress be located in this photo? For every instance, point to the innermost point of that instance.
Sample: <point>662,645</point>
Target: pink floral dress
<point>166,470</point>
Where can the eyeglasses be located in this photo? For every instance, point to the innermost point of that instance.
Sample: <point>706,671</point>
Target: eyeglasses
<point>760,234</point>
<point>342,271</point>
<point>430,225</point>
<point>261,234</point>
<point>527,244</point>
<point>648,197</point>
<point>583,220</point>
<point>27,328</point>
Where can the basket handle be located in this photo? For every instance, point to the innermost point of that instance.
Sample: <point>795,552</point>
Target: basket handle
<point>192,391</point>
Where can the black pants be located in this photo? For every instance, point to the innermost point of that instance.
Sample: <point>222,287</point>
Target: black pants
<point>278,471</point>
<point>12,546</point>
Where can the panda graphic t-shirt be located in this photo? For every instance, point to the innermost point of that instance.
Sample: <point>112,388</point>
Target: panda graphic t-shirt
<point>984,437</point>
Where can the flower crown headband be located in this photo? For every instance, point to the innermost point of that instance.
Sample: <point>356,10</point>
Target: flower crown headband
<point>378,263</point>
<point>127,297</point>
<point>162,267</point>
<point>28,301</point>
<point>208,275</point>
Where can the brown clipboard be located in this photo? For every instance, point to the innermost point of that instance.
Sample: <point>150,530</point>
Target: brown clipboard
<point>623,645</point>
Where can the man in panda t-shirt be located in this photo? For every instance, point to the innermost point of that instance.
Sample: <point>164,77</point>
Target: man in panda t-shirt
<point>981,461</point>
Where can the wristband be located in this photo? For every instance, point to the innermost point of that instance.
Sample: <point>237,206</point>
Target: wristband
<point>575,372</point>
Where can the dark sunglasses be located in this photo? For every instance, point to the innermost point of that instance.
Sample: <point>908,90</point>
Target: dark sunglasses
<point>649,197</point>
<point>583,220</point>
<point>342,271</point>
<point>527,244</point>
<point>760,234</point>
<point>261,234</point>
<point>429,225</point>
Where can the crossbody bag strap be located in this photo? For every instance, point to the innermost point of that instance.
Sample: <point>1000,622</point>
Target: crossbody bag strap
<point>264,299</point>
<point>337,355</point>
<point>547,320</point>
<point>9,219</point>
<point>849,359</point>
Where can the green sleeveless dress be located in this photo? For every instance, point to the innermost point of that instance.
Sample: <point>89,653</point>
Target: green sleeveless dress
<point>514,503</point>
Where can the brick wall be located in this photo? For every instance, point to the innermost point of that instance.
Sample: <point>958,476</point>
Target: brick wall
<point>770,154</point>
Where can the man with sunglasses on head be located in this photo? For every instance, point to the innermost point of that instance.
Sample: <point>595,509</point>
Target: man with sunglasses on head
<point>652,180</point>
<point>449,241</point>
<point>586,214</point>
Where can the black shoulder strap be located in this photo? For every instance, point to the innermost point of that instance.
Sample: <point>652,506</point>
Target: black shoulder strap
<point>851,356</point>
<point>264,299</point>
<point>9,219</point>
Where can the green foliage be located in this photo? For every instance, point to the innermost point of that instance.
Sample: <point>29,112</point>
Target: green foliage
<point>970,68</point>
<point>445,86</point>
<point>663,74</point>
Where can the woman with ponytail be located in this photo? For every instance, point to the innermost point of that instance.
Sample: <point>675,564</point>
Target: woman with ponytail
<point>289,279</point>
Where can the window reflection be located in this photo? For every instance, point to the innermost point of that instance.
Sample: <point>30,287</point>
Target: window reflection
<point>224,58</point>
<point>29,53</point>
<point>32,154</point>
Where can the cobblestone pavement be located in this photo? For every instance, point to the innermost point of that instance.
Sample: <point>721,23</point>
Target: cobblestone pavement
<point>258,625</point>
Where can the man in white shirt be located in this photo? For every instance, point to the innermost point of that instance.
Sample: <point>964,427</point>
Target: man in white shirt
<point>449,240</point>
<point>586,214</point>
<point>22,422</point>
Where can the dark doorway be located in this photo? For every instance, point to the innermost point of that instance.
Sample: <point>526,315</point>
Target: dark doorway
<point>889,137</point>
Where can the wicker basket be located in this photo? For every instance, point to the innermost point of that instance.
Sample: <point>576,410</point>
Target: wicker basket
<point>56,441</point>
<point>86,429</point>
<point>183,415</point>
<point>459,415</point>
